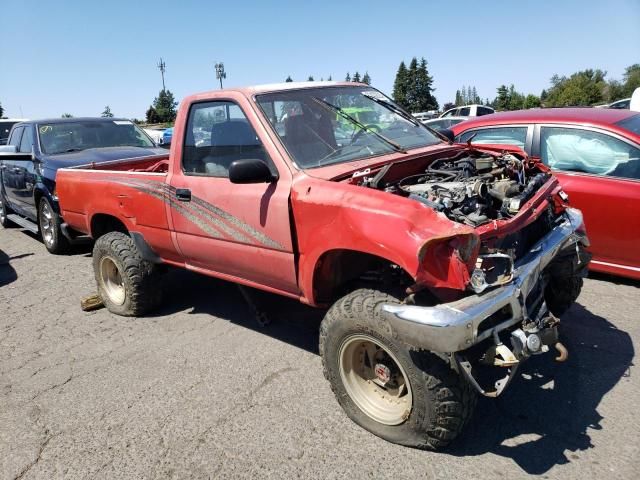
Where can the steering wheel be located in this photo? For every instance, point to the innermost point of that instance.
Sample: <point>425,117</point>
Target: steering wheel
<point>358,134</point>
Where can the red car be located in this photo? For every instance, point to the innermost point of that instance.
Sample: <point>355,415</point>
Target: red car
<point>596,155</point>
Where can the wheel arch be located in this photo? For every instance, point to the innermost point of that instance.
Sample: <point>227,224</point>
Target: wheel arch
<point>103,223</point>
<point>336,268</point>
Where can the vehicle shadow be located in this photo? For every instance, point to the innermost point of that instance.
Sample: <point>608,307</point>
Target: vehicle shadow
<point>544,418</point>
<point>605,277</point>
<point>292,322</point>
<point>7,272</point>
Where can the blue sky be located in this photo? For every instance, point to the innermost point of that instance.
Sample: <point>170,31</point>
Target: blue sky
<point>77,56</point>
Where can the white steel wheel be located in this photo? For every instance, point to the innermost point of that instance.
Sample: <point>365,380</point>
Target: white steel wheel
<point>375,379</point>
<point>111,281</point>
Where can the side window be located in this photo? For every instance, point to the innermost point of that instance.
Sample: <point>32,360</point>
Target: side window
<point>449,113</point>
<point>16,135</point>
<point>483,111</point>
<point>26,144</point>
<point>577,150</point>
<point>463,112</point>
<point>218,133</point>
<point>497,136</point>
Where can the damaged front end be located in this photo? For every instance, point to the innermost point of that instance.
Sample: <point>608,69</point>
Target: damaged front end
<point>507,318</point>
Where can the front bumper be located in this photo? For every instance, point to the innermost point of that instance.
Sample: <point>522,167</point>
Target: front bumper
<point>456,326</point>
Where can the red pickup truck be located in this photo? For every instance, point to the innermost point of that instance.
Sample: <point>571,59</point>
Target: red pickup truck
<point>442,266</point>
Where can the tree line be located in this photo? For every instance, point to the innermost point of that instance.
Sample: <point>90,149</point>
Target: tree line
<point>413,87</point>
<point>366,78</point>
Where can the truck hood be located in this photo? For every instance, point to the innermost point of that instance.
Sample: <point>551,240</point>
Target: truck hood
<point>98,155</point>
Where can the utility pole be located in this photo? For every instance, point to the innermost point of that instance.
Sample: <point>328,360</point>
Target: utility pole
<point>162,66</point>
<point>220,73</point>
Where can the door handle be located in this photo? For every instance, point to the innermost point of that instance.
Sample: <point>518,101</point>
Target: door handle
<point>183,194</point>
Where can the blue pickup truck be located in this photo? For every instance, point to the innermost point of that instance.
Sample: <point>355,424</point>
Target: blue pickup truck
<point>35,151</point>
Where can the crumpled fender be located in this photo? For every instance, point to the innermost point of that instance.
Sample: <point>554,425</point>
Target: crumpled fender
<point>336,215</point>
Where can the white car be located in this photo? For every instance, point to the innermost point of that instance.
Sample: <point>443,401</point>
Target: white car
<point>468,111</point>
<point>155,134</point>
<point>5,128</point>
<point>422,116</point>
<point>442,123</point>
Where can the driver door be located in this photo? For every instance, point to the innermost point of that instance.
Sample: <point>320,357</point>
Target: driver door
<point>234,231</point>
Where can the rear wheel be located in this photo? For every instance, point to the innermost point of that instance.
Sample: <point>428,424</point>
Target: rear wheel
<point>49,223</point>
<point>127,284</point>
<point>406,396</point>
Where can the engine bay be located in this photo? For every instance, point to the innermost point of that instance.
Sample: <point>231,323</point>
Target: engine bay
<point>471,188</point>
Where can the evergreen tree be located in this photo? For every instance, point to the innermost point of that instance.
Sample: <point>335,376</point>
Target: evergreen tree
<point>400,86</point>
<point>502,100</point>
<point>423,95</point>
<point>289,79</point>
<point>458,101</point>
<point>329,79</point>
<point>310,79</point>
<point>66,115</point>
<point>107,112</point>
<point>412,86</point>
<point>152,116</point>
<point>165,106</point>
<point>347,78</point>
<point>366,78</point>
<point>356,77</point>
<point>1,110</point>
<point>531,101</point>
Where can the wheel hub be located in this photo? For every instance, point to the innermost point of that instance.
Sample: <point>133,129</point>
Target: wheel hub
<point>111,281</point>
<point>375,380</point>
<point>46,224</point>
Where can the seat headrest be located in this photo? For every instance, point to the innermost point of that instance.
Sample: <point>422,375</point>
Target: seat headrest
<point>233,132</point>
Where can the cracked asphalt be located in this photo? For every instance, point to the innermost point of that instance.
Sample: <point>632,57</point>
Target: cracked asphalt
<point>199,390</point>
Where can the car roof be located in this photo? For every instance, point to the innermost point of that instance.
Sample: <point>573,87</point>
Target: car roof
<point>597,116</point>
<point>76,119</point>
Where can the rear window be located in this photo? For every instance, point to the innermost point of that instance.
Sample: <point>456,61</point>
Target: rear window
<point>631,124</point>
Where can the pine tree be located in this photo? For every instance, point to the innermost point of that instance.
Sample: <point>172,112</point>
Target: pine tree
<point>310,79</point>
<point>423,94</point>
<point>400,86</point>
<point>458,98</point>
<point>366,78</point>
<point>356,77</point>
<point>329,79</point>
<point>152,115</point>
<point>412,86</point>
<point>107,112</point>
<point>289,79</point>
<point>165,106</point>
<point>347,78</point>
<point>502,100</point>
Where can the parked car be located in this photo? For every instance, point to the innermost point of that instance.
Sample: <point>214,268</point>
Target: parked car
<point>5,128</point>
<point>595,153</point>
<point>623,104</point>
<point>155,134</point>
<point>38,148</point>
<point>443,123</point>
<point>423,116</point>
<point>431,254</point>
<point>468,111</point>
<point>166,137</point>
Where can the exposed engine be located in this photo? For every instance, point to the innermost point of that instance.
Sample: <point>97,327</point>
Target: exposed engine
<point>472,189</point>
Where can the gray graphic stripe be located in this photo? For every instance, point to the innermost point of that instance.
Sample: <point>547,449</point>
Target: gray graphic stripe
<point>236,222</point>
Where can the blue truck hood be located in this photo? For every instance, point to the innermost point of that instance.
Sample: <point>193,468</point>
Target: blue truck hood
<point>98,155</point>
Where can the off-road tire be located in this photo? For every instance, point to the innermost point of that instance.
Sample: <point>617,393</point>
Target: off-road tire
<point>141,281</point>
<point>58,243</point>
<point>442,400</point>
<point>566,274</point>
<point>4,211</point>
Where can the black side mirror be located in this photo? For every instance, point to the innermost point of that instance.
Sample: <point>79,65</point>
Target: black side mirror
<point>448,134</point>
<point>250,170</point>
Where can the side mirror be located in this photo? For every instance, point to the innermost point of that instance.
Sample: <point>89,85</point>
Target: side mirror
<point>250,170</point>
<point>448,134</point>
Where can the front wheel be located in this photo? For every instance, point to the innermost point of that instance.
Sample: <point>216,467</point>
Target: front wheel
<point>406,396</point>
<point>49,222</point>
<point>4,211</point>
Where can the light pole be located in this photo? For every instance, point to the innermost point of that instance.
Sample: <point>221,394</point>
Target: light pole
<point>162,68</point>
<point>220,73</point>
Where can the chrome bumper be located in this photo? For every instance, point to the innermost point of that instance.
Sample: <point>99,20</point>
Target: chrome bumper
<point>452,327</point>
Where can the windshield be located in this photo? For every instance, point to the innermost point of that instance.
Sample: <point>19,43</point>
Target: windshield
<point>66,137</point>
<point>322,126</point>
<point>631,124</point>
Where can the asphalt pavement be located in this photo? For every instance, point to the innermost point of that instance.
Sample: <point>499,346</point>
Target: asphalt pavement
<point>200,390</point>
